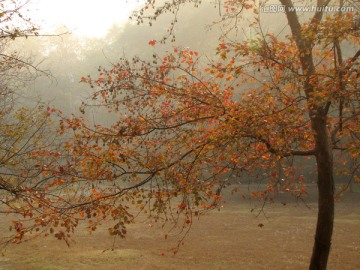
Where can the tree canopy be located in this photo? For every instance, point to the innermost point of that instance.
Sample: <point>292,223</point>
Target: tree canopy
<point>182,128</point>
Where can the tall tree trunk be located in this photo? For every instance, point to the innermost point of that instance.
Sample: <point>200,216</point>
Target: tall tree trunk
<point>325,183</point>
<point>318,114</point>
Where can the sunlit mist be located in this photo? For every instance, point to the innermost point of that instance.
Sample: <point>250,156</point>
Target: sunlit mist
<point>82,17</point>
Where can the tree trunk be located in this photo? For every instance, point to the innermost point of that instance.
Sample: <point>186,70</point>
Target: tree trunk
<point>323,150</point>
<point>325,183</point>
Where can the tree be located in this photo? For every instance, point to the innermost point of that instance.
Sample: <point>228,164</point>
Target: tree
<point>29,151</point>
<point>182,129</point>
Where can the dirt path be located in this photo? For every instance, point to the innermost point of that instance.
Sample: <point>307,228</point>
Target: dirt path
<point>229,239</point>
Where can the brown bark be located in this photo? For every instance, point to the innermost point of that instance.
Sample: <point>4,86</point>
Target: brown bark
<point>325,183</point>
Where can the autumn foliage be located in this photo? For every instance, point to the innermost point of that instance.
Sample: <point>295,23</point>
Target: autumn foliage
<point>182,129</point>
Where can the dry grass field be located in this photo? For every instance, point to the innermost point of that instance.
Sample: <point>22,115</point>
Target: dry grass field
<point>228,239</point>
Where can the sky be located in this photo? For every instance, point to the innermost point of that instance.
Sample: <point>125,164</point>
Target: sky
<point>89,18</point>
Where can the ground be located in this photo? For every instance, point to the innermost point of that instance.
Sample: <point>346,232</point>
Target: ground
<point>226,239</point>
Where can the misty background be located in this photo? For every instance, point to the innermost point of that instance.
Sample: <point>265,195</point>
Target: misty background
<point>64,56</point>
